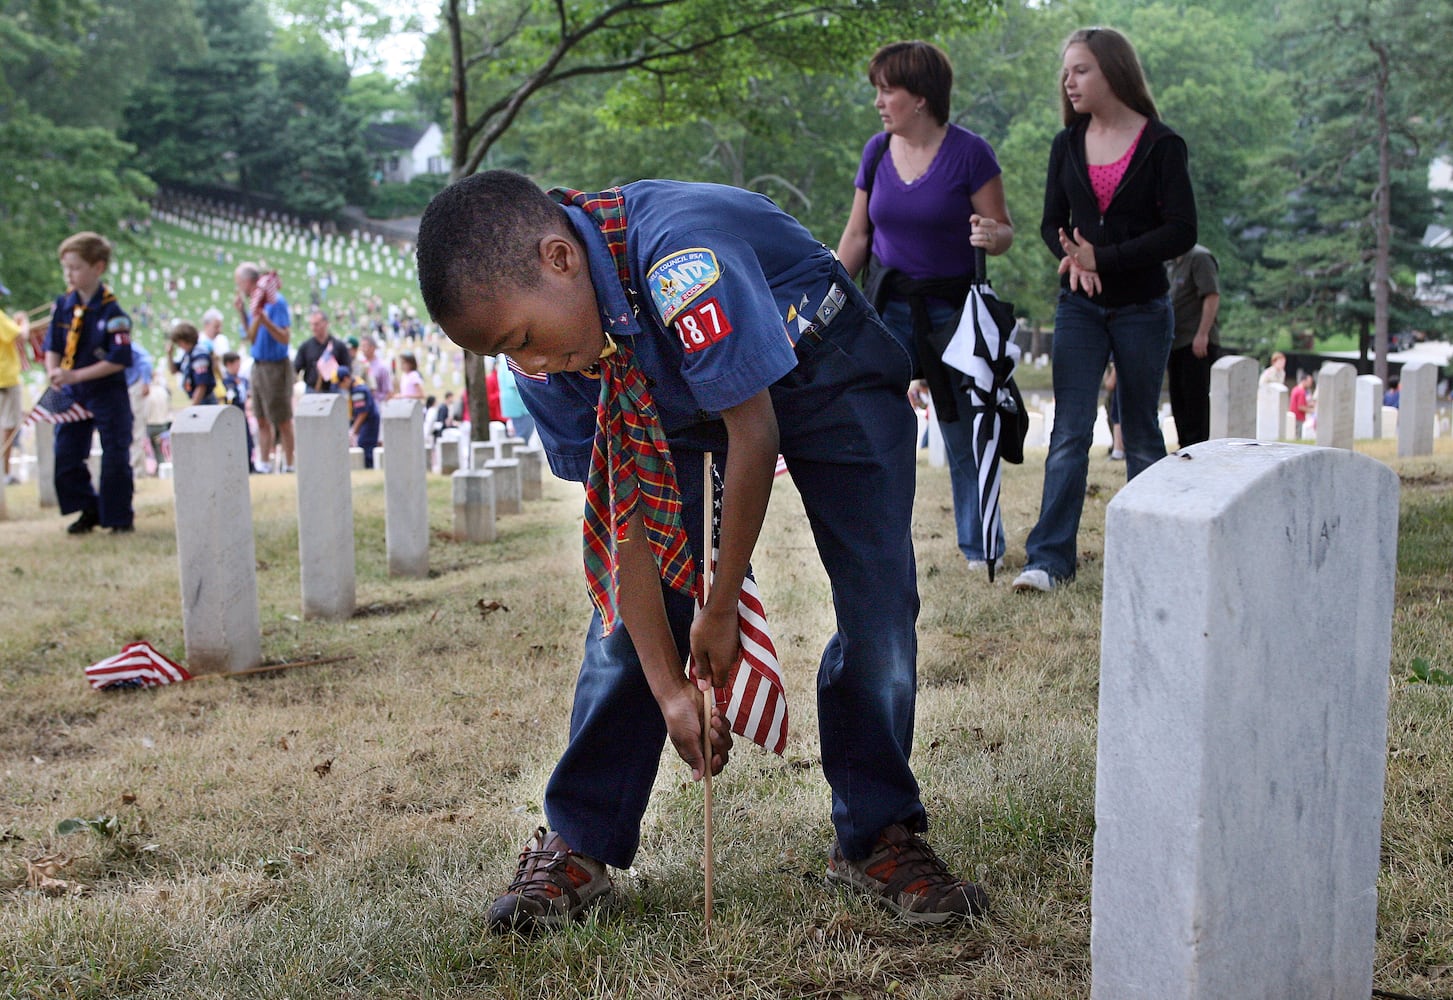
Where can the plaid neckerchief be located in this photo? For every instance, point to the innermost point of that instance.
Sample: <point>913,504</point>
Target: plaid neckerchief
<point>630,462</point>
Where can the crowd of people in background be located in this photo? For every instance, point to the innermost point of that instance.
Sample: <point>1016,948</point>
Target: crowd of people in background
<point>102,382</point>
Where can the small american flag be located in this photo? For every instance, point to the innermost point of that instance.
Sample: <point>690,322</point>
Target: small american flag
<point>269,286</point>
<point>754,700</point>
<point>138,665</point>
<point>57,406</point>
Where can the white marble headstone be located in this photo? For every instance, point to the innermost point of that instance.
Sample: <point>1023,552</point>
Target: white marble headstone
<point>1245,648</point>
<point>221,626</point>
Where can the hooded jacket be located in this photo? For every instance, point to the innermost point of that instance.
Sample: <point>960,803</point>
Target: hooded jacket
<point>1151,218</point>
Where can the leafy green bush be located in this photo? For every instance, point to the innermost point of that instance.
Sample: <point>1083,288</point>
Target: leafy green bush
<point>391,200</point>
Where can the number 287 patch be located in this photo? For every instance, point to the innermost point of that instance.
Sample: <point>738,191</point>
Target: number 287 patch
<point>702,325</point>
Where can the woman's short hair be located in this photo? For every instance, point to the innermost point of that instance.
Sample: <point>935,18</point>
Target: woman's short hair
<point>1121,67</point>
<point>920,68</point>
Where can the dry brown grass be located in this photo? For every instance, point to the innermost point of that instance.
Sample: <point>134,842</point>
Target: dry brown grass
<point>243,867</point>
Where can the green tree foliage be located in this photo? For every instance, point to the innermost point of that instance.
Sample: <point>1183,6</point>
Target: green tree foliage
<point>56,178</point>
<point>1342,256</point>
<point>685,57</point>
<point>267,119</point>
<point>87,80</point>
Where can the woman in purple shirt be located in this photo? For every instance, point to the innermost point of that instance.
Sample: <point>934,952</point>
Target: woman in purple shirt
<point>928,192</point>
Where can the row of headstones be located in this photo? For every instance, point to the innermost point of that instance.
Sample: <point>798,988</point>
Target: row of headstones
<point>220,616</point>
<point>1349,408</point>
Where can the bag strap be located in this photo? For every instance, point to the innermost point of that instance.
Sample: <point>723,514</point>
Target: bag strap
<point>869,177</point>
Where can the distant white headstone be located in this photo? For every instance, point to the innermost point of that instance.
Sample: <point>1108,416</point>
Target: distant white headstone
<point>1271,411</point>
<point>215,553</point>
<point>1389,422</point>
<point>325,506</point>
<point>1336,385</point>
<point>45,464</point>
<point>1233,397</point>
<point>508,495</point>
<point>532,472</point>
<point>406,498</point>
<point>1245,646</point>
<point>1367,412</point>
<point>474,505</point>
<point>1417,401</point>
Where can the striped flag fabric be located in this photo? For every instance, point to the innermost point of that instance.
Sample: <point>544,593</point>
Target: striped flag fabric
<point>138,665</point>
<point>754,701</point>
<point>57,406</point>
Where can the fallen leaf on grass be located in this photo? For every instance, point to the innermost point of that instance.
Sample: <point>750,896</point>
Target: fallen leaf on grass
<point>321,770</point>
<point>41,872</point>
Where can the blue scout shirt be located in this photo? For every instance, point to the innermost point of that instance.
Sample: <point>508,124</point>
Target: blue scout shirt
<point>264,346</point>
<point>105,336</point>
<point>196,370</point>
<point>234,388</point>
<point>360,400</point>
<point>726,283</point>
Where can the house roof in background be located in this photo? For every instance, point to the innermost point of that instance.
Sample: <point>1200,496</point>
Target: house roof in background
<point>389,137</point>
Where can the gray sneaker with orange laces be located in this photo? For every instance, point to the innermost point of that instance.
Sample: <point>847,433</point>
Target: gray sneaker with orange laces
<point>905,876</point>
<point>552,885</point>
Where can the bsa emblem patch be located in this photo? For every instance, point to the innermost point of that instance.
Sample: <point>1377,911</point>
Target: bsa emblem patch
<point>118,328</point>
<point>703,325</point>
<point>678,280</point>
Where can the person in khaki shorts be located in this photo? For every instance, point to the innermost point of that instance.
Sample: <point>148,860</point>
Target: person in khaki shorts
<point>13,338</point>
<point>268,327</point>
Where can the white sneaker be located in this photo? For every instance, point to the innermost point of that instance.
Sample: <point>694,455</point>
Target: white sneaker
<point>1117,455</point>
<point>1033,579</point>
<point>263,468</point>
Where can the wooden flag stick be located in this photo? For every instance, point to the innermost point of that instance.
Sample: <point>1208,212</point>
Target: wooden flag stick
<point>708,696</point>
<point>270,667</point>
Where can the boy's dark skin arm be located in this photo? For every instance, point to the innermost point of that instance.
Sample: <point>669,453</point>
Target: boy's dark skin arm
<point>715,636</point>
<point>751,465</point>
<point>643,610</point>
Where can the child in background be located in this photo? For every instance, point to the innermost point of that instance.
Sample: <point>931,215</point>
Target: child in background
<point>363,412</point>
<point>234,393</point>
<point>87,351</point>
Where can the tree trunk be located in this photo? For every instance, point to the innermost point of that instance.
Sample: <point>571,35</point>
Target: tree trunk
<point>459,99</point>
<point>478,392</point>
<point>1382,218</point>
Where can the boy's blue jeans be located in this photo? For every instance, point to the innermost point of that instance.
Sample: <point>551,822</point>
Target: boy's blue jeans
<point>847,432</point>
<point>1085,337</point>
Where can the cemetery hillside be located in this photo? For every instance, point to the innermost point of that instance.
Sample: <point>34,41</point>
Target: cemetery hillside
<point>339,829</point>
<point>284,695</point>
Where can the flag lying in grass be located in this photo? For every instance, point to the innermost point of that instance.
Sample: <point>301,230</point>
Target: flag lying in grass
<point>137,665</point>
<point>57,406</point>
<point>754,701</point>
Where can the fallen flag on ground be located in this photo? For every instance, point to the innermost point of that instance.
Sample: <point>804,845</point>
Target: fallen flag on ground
<point>137,665</point>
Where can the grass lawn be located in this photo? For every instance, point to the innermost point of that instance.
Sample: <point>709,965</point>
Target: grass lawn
<point>339,830</point>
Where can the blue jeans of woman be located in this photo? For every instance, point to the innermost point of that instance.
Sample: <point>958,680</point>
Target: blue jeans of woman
<point>958,441</point>
<point>1086,336</point>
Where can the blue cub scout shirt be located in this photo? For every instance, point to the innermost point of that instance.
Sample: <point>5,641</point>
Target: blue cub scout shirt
<point>105,336</point>
<point>725,283</point>
<point>360,400</point>
<point>197,371</point>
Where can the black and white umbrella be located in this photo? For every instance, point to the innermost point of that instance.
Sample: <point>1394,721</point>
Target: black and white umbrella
<point>982,349</point>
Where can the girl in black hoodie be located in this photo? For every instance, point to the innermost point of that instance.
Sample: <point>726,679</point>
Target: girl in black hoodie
<point>1117,205</point>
